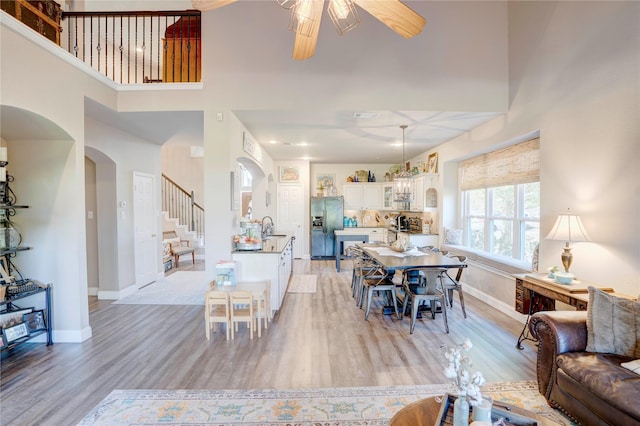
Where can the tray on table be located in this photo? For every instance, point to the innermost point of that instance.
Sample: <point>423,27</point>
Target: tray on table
<point>510,414</point>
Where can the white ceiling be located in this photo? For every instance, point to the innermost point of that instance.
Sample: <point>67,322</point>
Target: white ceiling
<point>442,83</point>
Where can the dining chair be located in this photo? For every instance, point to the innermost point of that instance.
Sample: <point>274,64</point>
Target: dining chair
<point>216,311</point>
<point>425,289</point>
<point>377,280</point>
<point>354,253</point>
<point>366,268</point>
<point>241,303</point>
<point>263,307</point>
<point>449,284</point>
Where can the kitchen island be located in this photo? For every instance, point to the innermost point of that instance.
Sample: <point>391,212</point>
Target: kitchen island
<point>272,262</point>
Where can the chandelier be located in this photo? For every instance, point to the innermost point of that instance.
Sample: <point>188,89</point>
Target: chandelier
<point>403,181</point>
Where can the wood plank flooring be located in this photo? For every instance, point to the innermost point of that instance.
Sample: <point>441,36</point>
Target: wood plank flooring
<point>316,340</point>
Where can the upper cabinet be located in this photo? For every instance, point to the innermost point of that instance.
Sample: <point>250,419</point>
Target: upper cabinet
<point>418,194</point>
<point>387,196</point>
<point>380,195</point>
<point>362,196</point>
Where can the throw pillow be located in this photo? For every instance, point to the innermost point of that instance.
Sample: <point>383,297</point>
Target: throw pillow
<point>613,324</point>
<point>632,365</point>
<point>453,236</point>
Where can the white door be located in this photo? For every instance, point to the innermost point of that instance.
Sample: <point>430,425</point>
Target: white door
<point>291,210</point>
<point>144,222</point>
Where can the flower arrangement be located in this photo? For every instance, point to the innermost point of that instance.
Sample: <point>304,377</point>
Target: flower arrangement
<point>457,368</point>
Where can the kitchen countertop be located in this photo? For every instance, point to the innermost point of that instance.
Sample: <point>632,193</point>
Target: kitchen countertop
<point>274,245</point>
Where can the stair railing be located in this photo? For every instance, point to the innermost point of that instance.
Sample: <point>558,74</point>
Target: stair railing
<point>137,47</point>
<point>181,204</point>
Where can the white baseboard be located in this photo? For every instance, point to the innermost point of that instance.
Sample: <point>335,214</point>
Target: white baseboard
<point>70,336</point>
<point>116,295</point>
<point>495,303</point>
<point>93,291</point>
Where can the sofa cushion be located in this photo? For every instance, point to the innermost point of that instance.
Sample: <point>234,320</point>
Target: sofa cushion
<point>613,324</point>
<point>632,365</point>
<point>453,236</point>
<point>603,376</point>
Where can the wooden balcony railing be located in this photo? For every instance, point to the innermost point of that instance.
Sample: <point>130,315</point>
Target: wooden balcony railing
<point>137,47</point>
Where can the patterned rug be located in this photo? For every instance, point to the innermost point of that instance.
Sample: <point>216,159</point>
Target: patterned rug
<point>320,407</point>
<point>303,284</point>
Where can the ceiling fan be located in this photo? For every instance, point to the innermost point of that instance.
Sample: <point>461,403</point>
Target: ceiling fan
<point>306,16</point>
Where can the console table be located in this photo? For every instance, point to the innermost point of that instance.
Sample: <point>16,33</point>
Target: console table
<point>536,292</point>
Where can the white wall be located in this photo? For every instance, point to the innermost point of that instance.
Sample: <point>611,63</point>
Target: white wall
<point>130,154</point>
<point>574,77</point>
<point>182,168</point>
<point>91,211</point>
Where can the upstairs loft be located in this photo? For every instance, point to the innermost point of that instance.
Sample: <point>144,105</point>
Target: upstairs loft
<point>127,47</point>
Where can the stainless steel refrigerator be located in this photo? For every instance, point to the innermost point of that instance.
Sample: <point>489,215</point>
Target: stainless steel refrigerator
<point>327,214</point>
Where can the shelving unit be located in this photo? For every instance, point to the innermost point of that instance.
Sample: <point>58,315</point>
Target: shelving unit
<point>19,323</point>
<point>9,305</point>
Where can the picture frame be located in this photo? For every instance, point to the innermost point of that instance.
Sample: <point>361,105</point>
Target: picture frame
<point>8,319</point>
<point>325,181</point>
<point>35,321</point>
<point>290,174</point>
<point>432,162</point>
<point>16,332</point>
<point>3,341</point>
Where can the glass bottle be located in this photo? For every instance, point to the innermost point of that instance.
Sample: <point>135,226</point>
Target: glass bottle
<point>461,410</point>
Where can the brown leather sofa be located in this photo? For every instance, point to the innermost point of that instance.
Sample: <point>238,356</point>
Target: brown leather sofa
<point>590,387</point>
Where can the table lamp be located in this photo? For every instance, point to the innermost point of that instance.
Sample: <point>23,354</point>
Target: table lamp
<point>568,228</point>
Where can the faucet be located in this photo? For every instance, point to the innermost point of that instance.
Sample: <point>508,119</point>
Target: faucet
<point>268,229</point>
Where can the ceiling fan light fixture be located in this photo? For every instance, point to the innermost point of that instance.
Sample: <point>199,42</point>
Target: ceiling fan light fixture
<point>344,15</point>
<point>286,4</point>
<point>302,14</point>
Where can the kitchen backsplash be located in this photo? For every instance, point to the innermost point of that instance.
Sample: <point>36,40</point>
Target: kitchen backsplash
<point>375,218</point>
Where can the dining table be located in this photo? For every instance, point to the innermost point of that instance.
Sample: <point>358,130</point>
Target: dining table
<point>392,260</point>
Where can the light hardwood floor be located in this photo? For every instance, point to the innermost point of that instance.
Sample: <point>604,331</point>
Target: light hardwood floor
<point>316,340</point>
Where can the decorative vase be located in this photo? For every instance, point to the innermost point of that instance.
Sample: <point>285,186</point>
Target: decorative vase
<point>461,411</point>
<point>482,411</point>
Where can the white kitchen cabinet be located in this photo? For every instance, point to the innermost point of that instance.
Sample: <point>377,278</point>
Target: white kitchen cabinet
<point>362,196</point>
<point>418,194</point>
<point>274,265</point>
<point>419,240</point>
<point>378,234</point>
<point>387,196</point>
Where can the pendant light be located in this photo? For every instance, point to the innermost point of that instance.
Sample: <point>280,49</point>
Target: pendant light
<point>403,181</point>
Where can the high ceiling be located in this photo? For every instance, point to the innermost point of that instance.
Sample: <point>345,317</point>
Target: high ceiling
<point>344,105</point>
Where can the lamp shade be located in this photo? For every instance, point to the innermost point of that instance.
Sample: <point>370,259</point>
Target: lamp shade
<point>569,228</point>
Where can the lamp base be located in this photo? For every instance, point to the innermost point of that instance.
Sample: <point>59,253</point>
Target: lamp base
<point>566,257</point>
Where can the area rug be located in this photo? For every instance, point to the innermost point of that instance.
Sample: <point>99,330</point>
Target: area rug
<point>303,284</point>
<point>179,288</point>
<point>320,406</point>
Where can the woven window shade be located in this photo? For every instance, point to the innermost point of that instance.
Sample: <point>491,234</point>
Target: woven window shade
<point>515,164</point>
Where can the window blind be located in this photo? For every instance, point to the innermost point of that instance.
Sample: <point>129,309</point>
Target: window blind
<point>519,163</point>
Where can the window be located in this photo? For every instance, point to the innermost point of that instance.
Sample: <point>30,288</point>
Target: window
<point>500,193</point>
<point>503,221</point>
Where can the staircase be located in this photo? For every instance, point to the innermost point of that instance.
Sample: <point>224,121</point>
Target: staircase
<point>180,213</point>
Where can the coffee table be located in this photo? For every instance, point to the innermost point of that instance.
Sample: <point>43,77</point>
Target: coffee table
<point>425,413</point>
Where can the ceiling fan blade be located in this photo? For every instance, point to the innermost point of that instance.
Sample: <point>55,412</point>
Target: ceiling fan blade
<point>395,15</point>
<point>205,5</point>
<point>305,47</point>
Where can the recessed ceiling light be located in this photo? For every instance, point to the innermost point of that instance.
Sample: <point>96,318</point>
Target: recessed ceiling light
<point>303,144</point>
<point>273,142</point>
<point>357,115</point>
